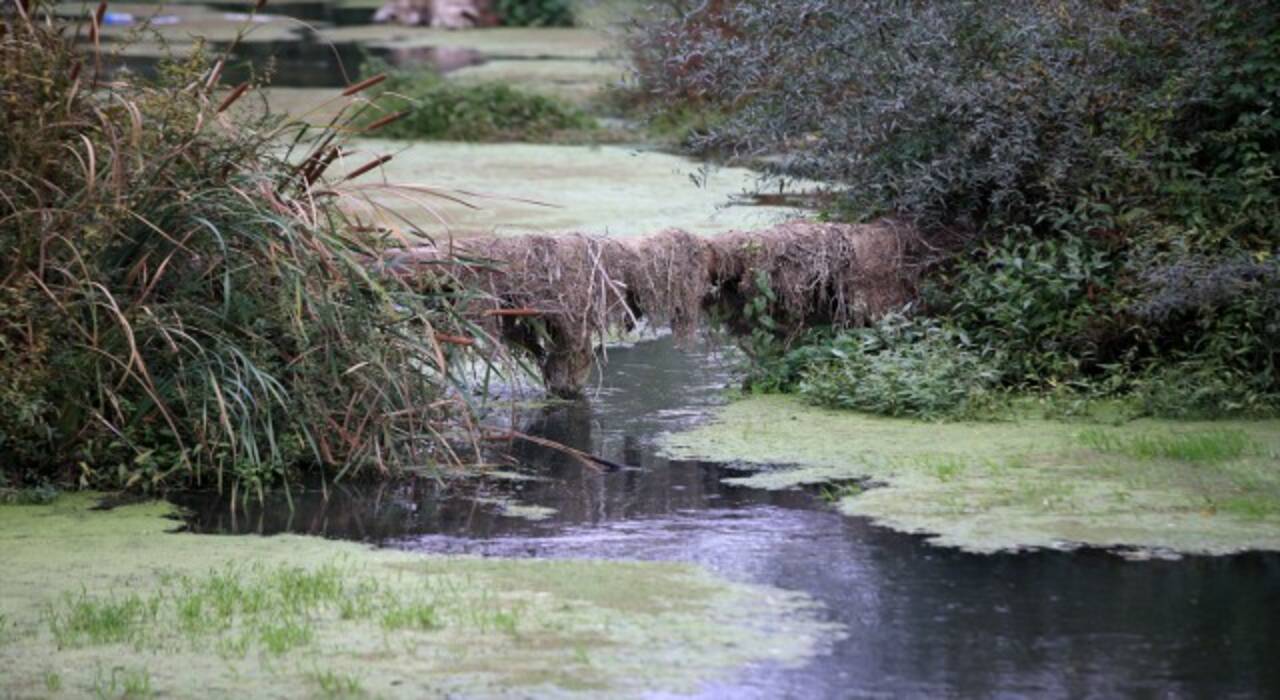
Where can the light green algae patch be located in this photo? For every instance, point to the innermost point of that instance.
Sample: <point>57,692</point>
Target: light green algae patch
<point>108,604</point>
<point>611,190</point>
<point>1211,488</point>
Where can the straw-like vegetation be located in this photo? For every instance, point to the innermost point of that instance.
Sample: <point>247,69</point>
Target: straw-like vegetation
<point>560,296</point>
<point>185,296</point>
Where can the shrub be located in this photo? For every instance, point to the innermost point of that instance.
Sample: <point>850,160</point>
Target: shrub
<point>1045,305</point>
<point>184,297</point>
<point>536,13</point>
<point>1087,163</point>
<point>961,114</point>
<point>899,367</point>
<point>444,110</point>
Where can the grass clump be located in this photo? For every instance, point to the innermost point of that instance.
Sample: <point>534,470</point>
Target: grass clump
<point>123,682</point>
<point>1205,447</point>
<point>88,621</point>
<point>432,108</point>
<point>414,615</point>
<point>185,297</point>
<point>331,684</point>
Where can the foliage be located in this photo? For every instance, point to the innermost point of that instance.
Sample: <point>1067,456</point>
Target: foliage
<point>898,367</point>
<point>1105,175</point>
<point>440,109</point>
<point>964,113</point>
<point>1044,303</point>
<point>536,13</point>
<point>184,297</point>
<point>1208,447</point>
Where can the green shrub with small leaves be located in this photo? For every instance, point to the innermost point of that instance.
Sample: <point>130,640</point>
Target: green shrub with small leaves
<point>438,109</point>
<point>536,13</point>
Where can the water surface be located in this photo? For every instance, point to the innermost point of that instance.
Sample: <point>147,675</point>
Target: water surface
<point>920,620</point>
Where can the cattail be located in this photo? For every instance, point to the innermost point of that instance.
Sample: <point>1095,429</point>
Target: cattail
<point>98,15</point>
<point>454,340</point>
<point>317,168</point>
<point>376,163</point>
<point>229,100</point>
<point>514,312</point>
<point>257,7</point>
<point>75,71</point>
<point>390,118</point>
<point>214,74</point>
<point>364,84</point>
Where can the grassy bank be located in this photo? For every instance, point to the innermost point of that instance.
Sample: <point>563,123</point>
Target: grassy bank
<point>149,613</point>
<point>1193,487</point>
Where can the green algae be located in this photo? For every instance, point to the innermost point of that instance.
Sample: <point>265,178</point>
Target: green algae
<point>91,599</point>
<point>1011,485</point>
<point>608,190</point>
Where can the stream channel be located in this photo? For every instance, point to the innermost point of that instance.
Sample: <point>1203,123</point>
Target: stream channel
<point>919,620</point>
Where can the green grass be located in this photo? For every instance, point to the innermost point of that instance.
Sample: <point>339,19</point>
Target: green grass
<point>337,685</point>
<point>1201,447</point>
<point>415,615</point>
<point>87,621</point>
<point>237,609</point>
<point>123,682</point>
<point>52,681</point>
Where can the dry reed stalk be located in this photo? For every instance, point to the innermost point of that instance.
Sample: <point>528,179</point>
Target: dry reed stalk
<point>559,297</point>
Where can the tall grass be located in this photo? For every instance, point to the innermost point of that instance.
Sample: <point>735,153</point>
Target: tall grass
<point>187,296</point>
<point>1205,446</point>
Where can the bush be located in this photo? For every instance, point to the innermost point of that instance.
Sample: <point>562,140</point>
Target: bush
<point>1070,115</point>
<point>184,298</point>
<point>444,110</point>
<point>1045,306</point>
<point>536,13</point>
<point>1093,167</point>
<point>899,367</point>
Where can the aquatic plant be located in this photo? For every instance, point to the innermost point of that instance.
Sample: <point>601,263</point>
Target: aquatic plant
<point>332,684</point>
<point>1206,446</point>
<point>188,295</point>
<point>422,105</point>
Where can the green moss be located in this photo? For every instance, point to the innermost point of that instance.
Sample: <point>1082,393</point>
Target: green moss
<point>1190,487</point>
<point>548,188</point>
<point>86,593</point>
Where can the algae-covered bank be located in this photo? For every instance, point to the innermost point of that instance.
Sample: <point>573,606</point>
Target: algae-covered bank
<point>1208,488</point>
<point>108,602</point>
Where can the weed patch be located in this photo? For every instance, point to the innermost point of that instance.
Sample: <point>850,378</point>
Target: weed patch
<point>1207,447</point>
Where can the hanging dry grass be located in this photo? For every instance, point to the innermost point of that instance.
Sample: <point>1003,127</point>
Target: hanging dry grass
<point>559,297</point>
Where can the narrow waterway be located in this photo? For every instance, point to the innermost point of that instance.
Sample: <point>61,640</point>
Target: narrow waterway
<point>919,620</point>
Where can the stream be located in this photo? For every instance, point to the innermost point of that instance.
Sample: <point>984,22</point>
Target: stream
<point>919,620</point>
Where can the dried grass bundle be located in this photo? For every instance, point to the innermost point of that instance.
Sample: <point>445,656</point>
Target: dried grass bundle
<point>559,297</point>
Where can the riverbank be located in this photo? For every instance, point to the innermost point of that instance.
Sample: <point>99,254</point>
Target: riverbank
<point>108,602</point>
<point>1153,486</point>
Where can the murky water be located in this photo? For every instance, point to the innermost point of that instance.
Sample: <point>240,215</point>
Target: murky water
<point>312,63</point>
<point>921,621</point>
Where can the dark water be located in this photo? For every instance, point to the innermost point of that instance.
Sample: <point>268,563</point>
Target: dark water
<point>921,621</point>
<point>311,63</point>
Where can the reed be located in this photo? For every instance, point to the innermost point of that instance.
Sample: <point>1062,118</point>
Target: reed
<point>185,298</point>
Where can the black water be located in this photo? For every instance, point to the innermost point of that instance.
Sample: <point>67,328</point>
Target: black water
<point>307,62</point>
<point>921,621</point>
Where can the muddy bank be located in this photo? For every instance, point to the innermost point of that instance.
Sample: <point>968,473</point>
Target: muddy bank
<point>1208,488</point>
<point>108,602</point>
